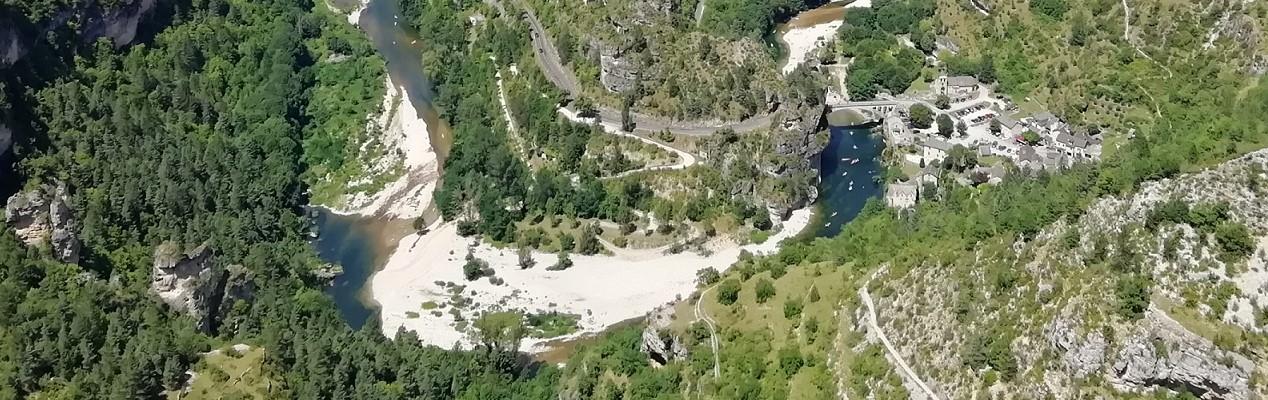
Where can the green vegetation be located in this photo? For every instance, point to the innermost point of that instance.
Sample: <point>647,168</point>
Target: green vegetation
<point>211,132</point>
<point>551,324</point>
<point>880,61</point>
<point>229,374</point>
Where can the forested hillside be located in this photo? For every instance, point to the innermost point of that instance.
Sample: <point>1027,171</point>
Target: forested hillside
<point>203,136</point>
<point>1011,290</point>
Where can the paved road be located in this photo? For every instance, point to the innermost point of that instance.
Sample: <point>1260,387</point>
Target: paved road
<point>551,65</point>
<point>889,347</point>
<point>713,334</point>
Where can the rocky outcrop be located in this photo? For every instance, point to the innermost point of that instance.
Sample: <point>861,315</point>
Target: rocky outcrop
<point>118,21</point>
<point>1162,353</point>
<point>659,342</point>
<point>1083,355</point>
<point>647,11</point>
<point>328,272</point>
<point>189,282</point>
<point>617,71</point>
<point>6,134</point>
<point>43,216</point>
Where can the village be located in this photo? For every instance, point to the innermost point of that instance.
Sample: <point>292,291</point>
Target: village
<point>961,130</point>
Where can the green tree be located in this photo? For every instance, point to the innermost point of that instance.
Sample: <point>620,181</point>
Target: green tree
<point>943,102</point>
<point>1031,138</point>
<point>945,126</point>
<point>728,292</point>
<point>921,116</point>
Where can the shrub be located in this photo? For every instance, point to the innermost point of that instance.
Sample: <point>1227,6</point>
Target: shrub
<point>1234,239</point>
<point>765,290</point>
<point>621,242</point>
<point>790,360</point>
<point>563,263</point>
<point>708,276</point>
<point>468,228</point>
<point>728,292</point>
<point>475,268</point>
<point>792,308</point>
<point>1132,293</point>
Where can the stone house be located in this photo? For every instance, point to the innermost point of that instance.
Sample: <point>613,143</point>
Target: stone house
<point>901,194</point>
<point>934,150</point>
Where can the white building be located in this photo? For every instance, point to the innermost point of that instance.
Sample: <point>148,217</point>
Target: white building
<point>934,150</point>
<point>900,194</point>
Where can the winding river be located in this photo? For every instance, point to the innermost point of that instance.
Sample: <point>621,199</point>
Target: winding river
<point>362,244</point>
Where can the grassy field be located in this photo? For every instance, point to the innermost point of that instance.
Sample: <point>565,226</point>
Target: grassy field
<point>228,374</point>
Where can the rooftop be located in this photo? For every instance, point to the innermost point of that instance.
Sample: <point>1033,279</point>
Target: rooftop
<point>936,143</point>
<point>962,81</point>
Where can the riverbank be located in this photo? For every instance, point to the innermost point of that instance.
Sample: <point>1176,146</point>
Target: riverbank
<point>811,30</point>
<point>409,154</point>
<point>415,290</point>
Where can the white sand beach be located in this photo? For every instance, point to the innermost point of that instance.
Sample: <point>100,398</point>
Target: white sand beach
<point>603,290</point>
<point>405,134</point>
<point>803,41</point>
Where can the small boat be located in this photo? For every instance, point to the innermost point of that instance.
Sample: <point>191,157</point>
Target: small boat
<point>414,42</point>
<point>845,173</point>
<point>856,161</point>
<point>845,159</point>
<point>834,213</point>
<point>827,225</point>
<point>856,147</point>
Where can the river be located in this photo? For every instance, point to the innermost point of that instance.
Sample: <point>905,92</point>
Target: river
<point>361,245</point>
<point>845,185</point>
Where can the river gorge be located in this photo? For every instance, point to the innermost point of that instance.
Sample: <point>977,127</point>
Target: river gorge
<point>363,245</point>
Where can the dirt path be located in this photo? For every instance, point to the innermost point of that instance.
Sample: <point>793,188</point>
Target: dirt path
<point>713,332</point>
<point>1127,36</point>
<point>889,347</point>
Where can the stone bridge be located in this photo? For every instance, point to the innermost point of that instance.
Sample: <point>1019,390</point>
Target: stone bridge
<point>867,111</point>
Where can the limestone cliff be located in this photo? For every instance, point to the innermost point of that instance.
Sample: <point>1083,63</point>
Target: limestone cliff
<point>118,21</point>
<point>190,282</point>
<point>1053,315</point>
<point>42,216</point>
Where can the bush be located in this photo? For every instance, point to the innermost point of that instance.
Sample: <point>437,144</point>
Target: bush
<point>475,268</point>
<point>728,292</point>
<point>764,291</point>
<point>1132,293</point>
<point>621,242</point>
<point>563,263</point>
<point>525,258</point>
<point>1235,240</point>
<point>792,308</point>
<point>707,276</point>
<point>790,360</point>
<point>468,228</point>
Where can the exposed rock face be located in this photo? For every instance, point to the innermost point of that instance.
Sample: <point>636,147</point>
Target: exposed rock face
<point>188,282</point>
<point>1082,356</point>
<point>42,216</point>
<point>659,343</point>
<point>6,135</point>
<point>797,144</point>
<point>646,11</point>
<point>618,72</point>
<point>1162,353</point>
<point>118,22</point>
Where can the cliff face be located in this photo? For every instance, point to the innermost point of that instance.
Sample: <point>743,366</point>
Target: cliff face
<point>92,20</point>
<point>190,282</point>
<point>1056,311</point>
<point>42,216</point>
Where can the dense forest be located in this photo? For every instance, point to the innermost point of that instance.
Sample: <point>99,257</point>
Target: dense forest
<point>204,135</point>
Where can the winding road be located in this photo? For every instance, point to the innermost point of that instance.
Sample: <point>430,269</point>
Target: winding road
<point>889,347</point>
<point>551,65</point>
